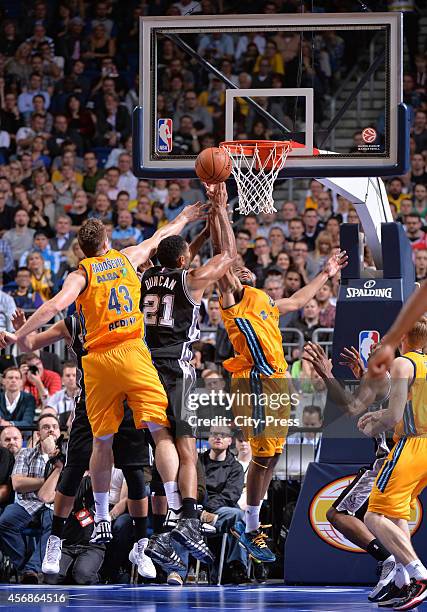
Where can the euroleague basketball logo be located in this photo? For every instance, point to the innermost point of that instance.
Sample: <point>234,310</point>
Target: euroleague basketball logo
<point>321,503</point>
<point>369,135</point>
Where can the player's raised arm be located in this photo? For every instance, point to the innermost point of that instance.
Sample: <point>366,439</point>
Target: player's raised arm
<point>411,312</point>
<point>33,342</point>
<point>199,278</point>
<point>73,286</point>
<point>139,254</point>
<point>304,295</point>
<point>228,284</point>
<point>374,423</point>
<point>352,404</point>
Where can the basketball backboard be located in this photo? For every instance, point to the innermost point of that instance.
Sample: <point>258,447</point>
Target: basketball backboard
<point>349,124</point>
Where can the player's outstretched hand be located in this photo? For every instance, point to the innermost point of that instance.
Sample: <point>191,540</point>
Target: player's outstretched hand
<point>217,195</point>
<point>380,362</point>
<point>336,263</point>
<point>7,339</point>
<point>352,359</point>
<point>18,319</point>
<point>368,423</point>
<point>195,212</point>
<point>314,354</point>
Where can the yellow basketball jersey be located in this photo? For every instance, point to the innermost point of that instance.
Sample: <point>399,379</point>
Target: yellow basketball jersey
<point>253,328</point>
<point>109,306</point>
<point>414,422</point>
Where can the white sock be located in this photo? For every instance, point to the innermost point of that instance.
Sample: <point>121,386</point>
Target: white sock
<point>101,506</point>
<point>251,518</point>
<point>173,495</point>
<point>416,570</point>
<point>401,576</point>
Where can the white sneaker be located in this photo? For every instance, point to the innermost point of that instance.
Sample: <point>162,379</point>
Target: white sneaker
<point>138,557</point>
<point>387,570</point>
<point>52,555</point>
<point>172,518</point>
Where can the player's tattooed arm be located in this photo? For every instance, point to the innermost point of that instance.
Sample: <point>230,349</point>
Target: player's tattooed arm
<point>229,285</point>
<point>374,423</point>
<point>218,266</point>
<point>352,404</point>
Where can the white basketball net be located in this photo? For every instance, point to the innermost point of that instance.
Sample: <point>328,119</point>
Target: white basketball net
<point>254,177</point>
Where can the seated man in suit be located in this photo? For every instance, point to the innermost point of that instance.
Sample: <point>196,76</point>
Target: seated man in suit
<point>16,406</point>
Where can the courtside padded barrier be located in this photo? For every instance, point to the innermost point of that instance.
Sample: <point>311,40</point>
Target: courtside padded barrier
<point>314,552</point>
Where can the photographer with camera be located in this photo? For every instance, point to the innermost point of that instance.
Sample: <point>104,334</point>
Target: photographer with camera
<point>39,382</point>
<point>34,479</point>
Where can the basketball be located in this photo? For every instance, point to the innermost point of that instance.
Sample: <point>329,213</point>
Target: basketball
<point>213,165</point>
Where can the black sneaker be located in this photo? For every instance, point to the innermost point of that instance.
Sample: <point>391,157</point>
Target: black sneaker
<point>385,572</point>
<point>30,578</point>
<point>394,595</point>
<point>101,533</point>
<point>417,592</point>
<point>188,533</point>
<point>237,573</point>
<point>161,551</point>
<point>260,571</point>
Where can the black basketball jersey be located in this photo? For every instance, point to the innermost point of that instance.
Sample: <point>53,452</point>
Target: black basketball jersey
<point>171,316</point>
<point>76,346</point>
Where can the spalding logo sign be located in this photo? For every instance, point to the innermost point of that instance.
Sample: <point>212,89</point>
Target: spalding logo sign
<point>369,290</point>
<point>323,500</point>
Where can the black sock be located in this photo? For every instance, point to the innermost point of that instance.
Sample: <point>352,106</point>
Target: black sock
<point>377,550</point>
<point>158,521</point>
<point>58,524</point>
<point>189,508</point>
<point>139,527</point>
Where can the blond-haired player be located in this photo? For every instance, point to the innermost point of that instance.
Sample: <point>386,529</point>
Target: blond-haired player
<point>404,474</point>
<point>117,364</point>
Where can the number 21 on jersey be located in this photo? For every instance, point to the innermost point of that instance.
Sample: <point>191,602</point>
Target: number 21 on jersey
<point>152,306</point>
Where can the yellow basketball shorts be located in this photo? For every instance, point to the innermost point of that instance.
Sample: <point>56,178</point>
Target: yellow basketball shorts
<point>401,479</point>
<point>124,372</point>
<point>261,409</point>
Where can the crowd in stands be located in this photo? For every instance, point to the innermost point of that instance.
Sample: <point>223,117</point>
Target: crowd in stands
<point>68,85</point>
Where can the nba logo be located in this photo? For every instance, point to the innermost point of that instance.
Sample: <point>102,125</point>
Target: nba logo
<point>367,339</point>
<point>164,135</point>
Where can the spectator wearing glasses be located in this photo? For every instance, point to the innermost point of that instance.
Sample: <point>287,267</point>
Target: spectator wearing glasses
<point>224,486</point>
<point>202,120</point>
<point>34,496</point>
